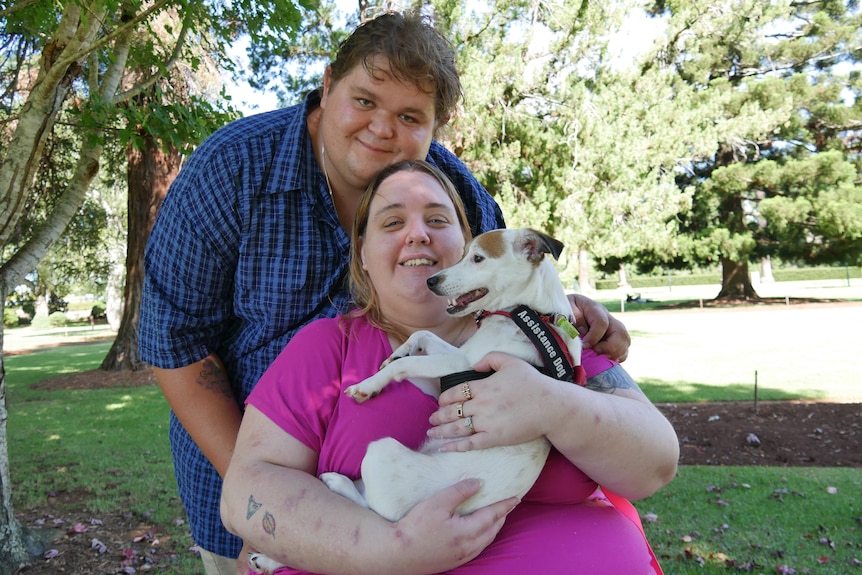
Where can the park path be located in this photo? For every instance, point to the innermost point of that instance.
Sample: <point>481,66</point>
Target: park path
<point>25,339</point>
<point>812,347</point>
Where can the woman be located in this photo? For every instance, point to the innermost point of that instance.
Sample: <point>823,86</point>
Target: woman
<point>299,424</point>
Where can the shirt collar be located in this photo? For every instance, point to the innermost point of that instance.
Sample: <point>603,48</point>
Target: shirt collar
<point>294,166</point>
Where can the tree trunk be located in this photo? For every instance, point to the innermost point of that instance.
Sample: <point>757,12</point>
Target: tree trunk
<point>766,270</point>
<point>584,271</point>
<point>624,278</point>
<point>150,173</point>
<point>735,283</point>
<point>12,550</point>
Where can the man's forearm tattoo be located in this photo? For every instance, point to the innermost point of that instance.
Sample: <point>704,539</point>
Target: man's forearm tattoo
<point>609,381</point>
<point>212,377</point>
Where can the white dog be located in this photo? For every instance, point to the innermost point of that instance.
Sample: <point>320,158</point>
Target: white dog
<point>502,271</point>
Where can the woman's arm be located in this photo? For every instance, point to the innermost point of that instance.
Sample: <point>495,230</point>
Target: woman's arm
<point>617,437</point>
<point>272,499</point>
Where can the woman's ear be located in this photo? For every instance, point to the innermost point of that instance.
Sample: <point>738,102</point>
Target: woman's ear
<point>362,254</point>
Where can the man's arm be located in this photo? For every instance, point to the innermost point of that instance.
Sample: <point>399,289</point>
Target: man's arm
<point>599,330</point>
<point>201,397</point>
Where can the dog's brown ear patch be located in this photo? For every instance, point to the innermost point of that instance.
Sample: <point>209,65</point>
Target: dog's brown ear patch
<point>492,243</point>
<point>536,244</point>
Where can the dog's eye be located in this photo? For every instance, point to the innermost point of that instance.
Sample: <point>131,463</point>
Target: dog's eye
<point>477,258</point>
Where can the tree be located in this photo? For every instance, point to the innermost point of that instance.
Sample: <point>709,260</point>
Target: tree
<point>70,60</point>
<point>767,190</point>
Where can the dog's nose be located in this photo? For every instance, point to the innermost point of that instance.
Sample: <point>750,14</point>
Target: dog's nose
<point>432,281</point>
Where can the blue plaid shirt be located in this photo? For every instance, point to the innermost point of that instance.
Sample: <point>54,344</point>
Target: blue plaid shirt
<point>246,249</point>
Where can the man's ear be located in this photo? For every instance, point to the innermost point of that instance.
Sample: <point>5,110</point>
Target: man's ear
<point>443,121</point>
<point>327,86</point>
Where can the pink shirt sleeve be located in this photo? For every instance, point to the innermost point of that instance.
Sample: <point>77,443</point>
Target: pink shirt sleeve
<point>300,389</point>
<point>594,363</point>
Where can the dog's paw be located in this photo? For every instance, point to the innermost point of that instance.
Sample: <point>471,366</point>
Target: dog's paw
<point>389,360</point>
<point>355,391</point>
<point>261,563</point>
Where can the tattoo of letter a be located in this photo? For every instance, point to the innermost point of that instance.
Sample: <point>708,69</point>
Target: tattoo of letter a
<point>253,506</point>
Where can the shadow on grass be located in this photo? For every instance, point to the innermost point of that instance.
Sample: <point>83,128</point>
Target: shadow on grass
<point>661,391</point>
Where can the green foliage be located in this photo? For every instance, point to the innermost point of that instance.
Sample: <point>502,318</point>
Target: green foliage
<point>784,179</point>
<point>10,318</point>
<point>58,319</point>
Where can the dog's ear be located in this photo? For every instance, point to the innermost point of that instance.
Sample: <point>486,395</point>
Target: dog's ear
<point>536,244</point>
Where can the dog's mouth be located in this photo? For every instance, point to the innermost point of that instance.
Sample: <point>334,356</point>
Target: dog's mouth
<point>459,304</point>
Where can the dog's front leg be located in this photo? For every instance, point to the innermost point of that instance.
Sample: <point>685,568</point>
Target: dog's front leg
<point>426,366</point>
<point>344,486</point>
<point>421,342</point>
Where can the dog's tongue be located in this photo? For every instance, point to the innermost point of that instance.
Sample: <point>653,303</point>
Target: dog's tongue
<point>463,300</point>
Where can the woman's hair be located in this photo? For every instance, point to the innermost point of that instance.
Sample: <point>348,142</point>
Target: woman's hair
<point>361,289</point>
<point>416,51</point>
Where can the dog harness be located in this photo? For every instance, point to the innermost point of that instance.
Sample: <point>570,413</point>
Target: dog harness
<point>552,349</point>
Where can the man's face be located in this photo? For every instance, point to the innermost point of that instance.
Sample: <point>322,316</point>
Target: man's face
<point>368,124</point>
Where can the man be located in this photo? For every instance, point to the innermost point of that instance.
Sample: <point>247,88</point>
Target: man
<point>253,241</point>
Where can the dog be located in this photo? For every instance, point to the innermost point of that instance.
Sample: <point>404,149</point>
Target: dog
<point>505,271</point>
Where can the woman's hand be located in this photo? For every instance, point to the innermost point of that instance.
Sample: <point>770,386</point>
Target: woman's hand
<point>599,329</point>
<point>506,408</point>
<point>447,540</point>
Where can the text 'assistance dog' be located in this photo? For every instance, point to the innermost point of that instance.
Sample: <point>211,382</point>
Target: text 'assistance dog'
<point>521,309</point>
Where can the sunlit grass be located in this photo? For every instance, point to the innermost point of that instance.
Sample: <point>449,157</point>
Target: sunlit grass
<point>110,447</point>
<point>755,519</point>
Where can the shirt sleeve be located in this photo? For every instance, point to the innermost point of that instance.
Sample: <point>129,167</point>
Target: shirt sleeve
<point>594,363</point>
<point>300,390</point>
<point>189,261</point>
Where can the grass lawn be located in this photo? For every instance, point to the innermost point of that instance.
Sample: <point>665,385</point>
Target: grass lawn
<point>110,447</point>
<point>99,450</point>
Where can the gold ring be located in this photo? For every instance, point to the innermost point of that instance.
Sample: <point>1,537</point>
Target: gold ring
<point>459,409</point>
<point>468,421</point>
<point>465,389</point>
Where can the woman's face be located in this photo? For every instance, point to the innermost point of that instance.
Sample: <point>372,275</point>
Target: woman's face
<point>412,233</point>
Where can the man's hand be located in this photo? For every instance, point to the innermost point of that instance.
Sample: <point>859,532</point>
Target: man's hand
<point>242,567</point>
<point>599,330</point>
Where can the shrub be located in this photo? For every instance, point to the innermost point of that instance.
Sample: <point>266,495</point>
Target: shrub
<point>58,319</point>
<point>10,318</point>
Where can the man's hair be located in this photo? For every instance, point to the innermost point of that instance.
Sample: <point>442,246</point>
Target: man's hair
<point>416,51</point>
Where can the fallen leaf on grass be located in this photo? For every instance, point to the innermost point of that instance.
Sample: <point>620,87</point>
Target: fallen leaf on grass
<point>649,518</point>
<point>78,528</point>
<point>98,546</point>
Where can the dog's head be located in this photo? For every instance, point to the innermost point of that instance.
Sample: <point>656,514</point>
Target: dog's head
<point>500,270</point>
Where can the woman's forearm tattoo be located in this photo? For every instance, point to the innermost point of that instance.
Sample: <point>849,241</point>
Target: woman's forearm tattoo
<point>253,506</point>
<point>609,381</point>
<point>268,522</point>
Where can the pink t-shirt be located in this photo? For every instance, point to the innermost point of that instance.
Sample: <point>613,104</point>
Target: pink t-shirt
<point>559,527</point>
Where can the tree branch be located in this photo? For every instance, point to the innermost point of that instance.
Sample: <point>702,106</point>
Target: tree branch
<point>147,83</point>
